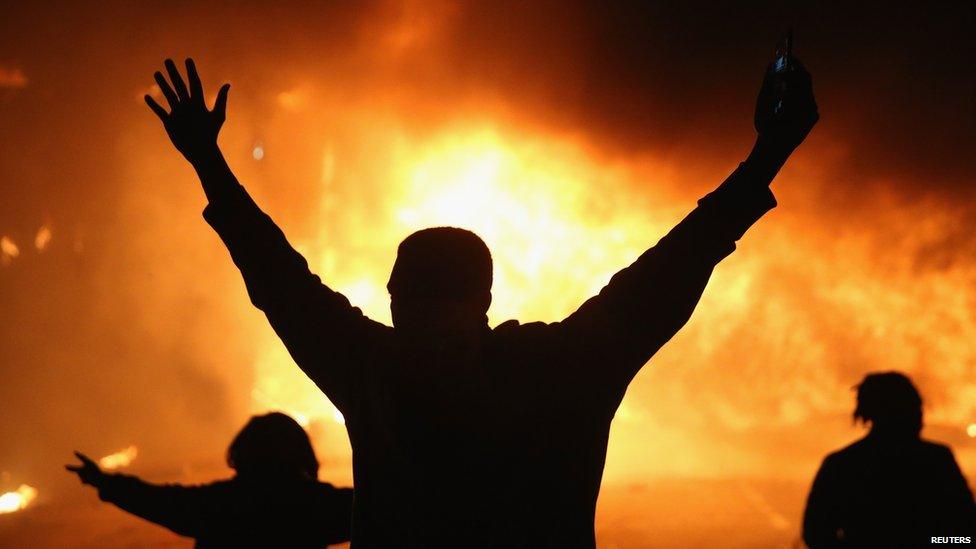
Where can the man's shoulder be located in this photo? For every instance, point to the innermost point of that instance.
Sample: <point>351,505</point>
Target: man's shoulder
<point>936,450</point>
<point>327,488</point>
<point>867,449</point>
<point>852,452</point>
<point>530,339</point>
<point>327,496</point>
<point>514,324</point>
<point>515,329</point>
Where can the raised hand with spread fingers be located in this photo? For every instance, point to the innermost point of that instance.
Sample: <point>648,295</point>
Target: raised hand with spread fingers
<point>191,126</point>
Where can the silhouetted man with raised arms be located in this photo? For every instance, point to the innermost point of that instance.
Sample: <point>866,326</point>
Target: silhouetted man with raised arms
<point>465,435</point>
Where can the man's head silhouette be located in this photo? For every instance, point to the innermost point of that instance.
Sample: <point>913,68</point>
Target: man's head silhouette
<point>890,402</point>
<point>273,446</point>
<point>441,282</point>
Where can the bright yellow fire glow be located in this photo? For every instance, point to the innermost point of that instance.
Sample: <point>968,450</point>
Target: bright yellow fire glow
<point>43,238</point>
<point>17,499</point>
<point>120,459</point>
<point>8,249</point>
<point>311,406</point>
<point>558,216</point>
<point>564,221</point>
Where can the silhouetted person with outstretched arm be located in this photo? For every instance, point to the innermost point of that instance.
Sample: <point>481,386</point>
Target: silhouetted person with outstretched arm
<point>465,435</point>
<point>891,488</point>
<point>274,500</point>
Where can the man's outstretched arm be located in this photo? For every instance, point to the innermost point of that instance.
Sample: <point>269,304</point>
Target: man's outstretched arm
<point>322,331</point>
<point>182,509</point>
<point>645,304</point>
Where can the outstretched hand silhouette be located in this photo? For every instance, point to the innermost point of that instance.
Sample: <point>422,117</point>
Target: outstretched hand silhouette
<point>191,126</point>
<point>89,472</point>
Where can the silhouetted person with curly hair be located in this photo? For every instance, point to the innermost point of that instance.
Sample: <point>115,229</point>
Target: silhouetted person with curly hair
<point>273,500</point>
<point>891,488</point>
<point>464,435</point>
